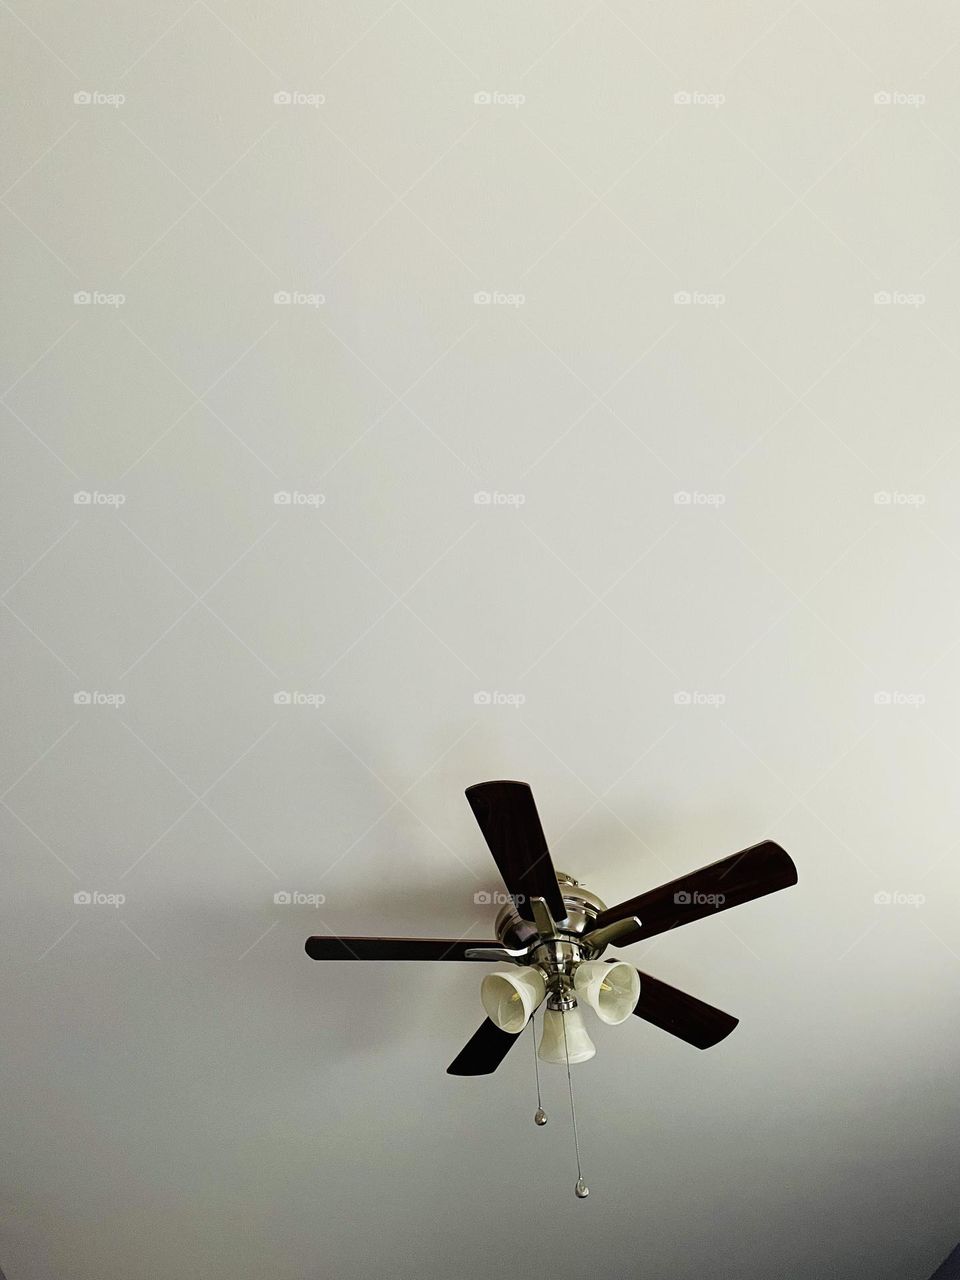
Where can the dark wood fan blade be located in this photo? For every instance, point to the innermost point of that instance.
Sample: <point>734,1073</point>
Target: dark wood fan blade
<point>508,818</point>
<point>483,1052</point>
<point>752,873</point>
<point>334,948</point>
<point>683,1016</point>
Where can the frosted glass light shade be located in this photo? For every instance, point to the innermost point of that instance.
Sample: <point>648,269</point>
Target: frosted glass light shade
<point>611,990</point>
<point>579,1044</point>
<point>511,996</point>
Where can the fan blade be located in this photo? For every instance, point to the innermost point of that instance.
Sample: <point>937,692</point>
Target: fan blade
<point>483,1052</point>
<point>508,818</point>
<point>334,948</point>
<point>752,873</point>
<point>683,1016</point>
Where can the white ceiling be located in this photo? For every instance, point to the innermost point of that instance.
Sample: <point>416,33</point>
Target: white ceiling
<point>184,1093</point>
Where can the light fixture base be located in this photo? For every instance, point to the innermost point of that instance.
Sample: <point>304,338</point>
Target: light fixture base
<point>557,948</point>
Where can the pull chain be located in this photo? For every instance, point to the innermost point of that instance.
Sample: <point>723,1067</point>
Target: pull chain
<point>540,1116</point>
<point>582,1189</point>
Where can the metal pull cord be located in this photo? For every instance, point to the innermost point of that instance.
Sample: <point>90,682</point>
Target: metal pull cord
<point>540,1116</point>
<point>582,1189</point>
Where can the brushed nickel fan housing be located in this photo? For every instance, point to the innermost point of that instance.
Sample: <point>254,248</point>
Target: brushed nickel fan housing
<point>583,907</point>
<point>556,948</point>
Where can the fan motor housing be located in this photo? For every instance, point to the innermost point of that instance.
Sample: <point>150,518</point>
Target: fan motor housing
<point>559,956</point>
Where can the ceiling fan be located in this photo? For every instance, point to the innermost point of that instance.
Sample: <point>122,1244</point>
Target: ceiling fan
<point>553,930</point>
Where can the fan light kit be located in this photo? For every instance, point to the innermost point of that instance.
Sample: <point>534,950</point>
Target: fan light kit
<point>552,934</point>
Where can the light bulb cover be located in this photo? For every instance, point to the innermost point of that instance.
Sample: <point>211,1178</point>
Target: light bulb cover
<point>611,990</point>
<point>510,996</point>
<point>578,1043</point>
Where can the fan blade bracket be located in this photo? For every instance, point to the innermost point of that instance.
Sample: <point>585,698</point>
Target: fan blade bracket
<point>499,955</point>
<point>543,918</point>
<point>611,934</point>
